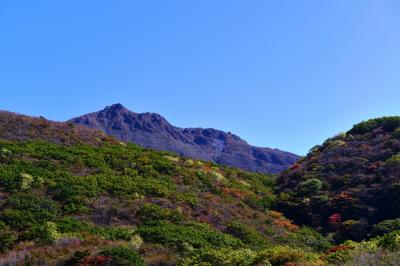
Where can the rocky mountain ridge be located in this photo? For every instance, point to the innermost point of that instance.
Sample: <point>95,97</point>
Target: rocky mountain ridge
<point>151,130</point>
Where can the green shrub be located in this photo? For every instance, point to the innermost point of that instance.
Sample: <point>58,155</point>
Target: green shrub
<point>24,210</point>
<point>76,189</point>
<point>309,186</point>
<point>393,161</point>
<point>263,203</point>
<point>5,154</point>
<point>385,227</point>
<point>206,181</point>
<point>70,225</point>
<point>122,256</point>
<point>45,234</point>
<point>246,235</point>
<point>26,181</point>
<point>281,255</point>
<point>339,257</point>
<point>7,237</point>
<point>224,257</point>
<point>307,237</point>
<point>195,234</point>
<point>390,241</point>
<point>187,197</point>
<point>387,123</point>
<point>153,212</point>
<point>126,186</point>
<point>76,208</point>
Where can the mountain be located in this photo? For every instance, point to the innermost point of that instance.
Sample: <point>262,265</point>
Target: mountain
<point>154,131</point>
<point>72,196</point>
<point>350,184</point>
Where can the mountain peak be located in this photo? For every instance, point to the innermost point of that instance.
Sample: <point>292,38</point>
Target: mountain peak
<point>116,107</point>
<point>151,130</point>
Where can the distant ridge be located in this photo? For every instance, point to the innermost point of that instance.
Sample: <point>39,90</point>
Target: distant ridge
<point>18,127</point>
<point>151,130</point>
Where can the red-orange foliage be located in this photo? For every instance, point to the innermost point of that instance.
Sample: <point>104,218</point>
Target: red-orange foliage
<point>335,249</point>
<point>275,214</point>
<point>335,218</point>
<point>373,166</point>
<point>235,193</point>
<point>295,166</point>
<point>285,224</point>
<point>281,222</point>
<point>343,196</point>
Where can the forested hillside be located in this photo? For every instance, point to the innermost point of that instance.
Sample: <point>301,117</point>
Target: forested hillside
<point>349,184</point>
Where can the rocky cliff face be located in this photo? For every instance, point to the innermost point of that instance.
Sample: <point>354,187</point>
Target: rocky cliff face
<point>154,131</point>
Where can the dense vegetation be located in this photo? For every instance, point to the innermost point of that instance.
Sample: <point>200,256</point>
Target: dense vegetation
<point>68,204</point>
<point>350,185</point>
<point>68,201</point>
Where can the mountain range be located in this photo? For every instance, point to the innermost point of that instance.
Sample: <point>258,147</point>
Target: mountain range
<point>153,131</point>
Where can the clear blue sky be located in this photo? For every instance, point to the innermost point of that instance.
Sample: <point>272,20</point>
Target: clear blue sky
<point>284,74</point>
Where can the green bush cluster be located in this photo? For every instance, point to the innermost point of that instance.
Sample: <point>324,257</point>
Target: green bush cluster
<point>195,235</point>
<point>123,256</point>
<point>390,241</point>
<point>225,257</point>
<point>152,212</point>
<point>393,161</point>
<point>389,123</point>
<point>71,225</point>
<point>386,227</point>
<point>44,234</point>
<point>7,237</point>
<point>25,210</point>
<point>281,255</point>
<point>306,238</point>
<point>249,236</point>
<point>309,187</point>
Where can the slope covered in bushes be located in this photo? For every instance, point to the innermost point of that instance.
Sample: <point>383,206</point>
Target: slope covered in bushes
<point>81,199</point>
<point>348,184</point>
<point>67,199</point>
<point>21,127</point>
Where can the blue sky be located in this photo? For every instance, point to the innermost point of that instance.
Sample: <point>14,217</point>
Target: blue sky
<point>284,74</point>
